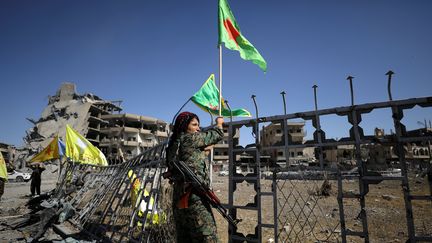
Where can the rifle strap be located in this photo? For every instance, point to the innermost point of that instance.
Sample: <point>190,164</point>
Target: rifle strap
<point>184,199</point>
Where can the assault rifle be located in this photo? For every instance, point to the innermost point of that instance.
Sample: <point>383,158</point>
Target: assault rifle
<point>202,189</point>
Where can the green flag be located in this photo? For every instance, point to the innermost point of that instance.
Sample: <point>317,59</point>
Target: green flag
<point>229,33</point>
<point>207,98</point>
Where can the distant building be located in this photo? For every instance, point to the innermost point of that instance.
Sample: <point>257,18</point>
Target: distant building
<point>8,153</point>
<point>124,136</point>
<point>380,155</point>
<point>416,152</point>
<point>273,135</point>
<point>221,149</point>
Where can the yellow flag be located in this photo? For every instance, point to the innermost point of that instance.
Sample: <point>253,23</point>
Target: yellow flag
<point>136,185</point>
<point>48,153</point>
<point>3,170</point>
<point>81,150</point>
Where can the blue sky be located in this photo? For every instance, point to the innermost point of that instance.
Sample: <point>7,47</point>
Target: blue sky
<point>153,55</point>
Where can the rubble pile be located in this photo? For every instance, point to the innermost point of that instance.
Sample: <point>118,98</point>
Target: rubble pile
<point>66,107</point>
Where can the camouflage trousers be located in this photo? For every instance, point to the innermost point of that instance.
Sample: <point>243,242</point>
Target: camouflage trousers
<point>195,223</point>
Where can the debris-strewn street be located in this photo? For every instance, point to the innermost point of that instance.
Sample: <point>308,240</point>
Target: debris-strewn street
<point>385,209</point>
<point>13,209</point>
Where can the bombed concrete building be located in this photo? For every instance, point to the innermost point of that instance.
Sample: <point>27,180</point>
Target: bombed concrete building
<point>272,135</point>
<point>97,119</point>
<point>9,153</point>
<point>82,112</point>
<point>221,158</point>
<point>127,135</point>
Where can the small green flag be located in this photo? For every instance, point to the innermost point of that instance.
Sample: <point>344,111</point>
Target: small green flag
<point>229,33</point>
<point>207,98</point>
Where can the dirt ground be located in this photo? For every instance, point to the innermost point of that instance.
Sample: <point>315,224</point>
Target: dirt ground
<point>12,204</point>
<point>303,216</point>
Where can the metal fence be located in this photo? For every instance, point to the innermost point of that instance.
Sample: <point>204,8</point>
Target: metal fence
<point>302,209</point>
<point>280,203</point>
<point>124,202</point>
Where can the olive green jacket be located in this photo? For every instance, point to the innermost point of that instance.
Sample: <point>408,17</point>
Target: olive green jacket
<point>189,148</point>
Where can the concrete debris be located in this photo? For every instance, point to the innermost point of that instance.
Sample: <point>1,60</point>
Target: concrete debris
<point>50,204</point>
<point>72,240</point>
<point>65,230</point>
<point>388,197</point>
<point>287,228</point>
<point>325,189</point>
<point>51,236</point>
<point>67,211</point>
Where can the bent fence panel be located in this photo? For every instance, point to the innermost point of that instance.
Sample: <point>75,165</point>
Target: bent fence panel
<point>123,202</point>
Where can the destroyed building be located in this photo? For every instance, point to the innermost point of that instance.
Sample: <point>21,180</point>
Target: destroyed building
<point>220,150</point>
<point>96,119</point>
<point>8,153</point>
<point>378,155</point>
<point>127,135</point>
<point>272,135</point>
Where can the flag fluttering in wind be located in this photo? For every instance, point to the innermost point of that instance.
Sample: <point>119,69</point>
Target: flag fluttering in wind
<point>81,150</point>
<point>229,33</point>
<point>207,98</point>
<point>3,169</point>
<point>54,150</point>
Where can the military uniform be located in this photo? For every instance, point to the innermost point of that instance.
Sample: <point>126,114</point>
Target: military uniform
<point>195,223</point>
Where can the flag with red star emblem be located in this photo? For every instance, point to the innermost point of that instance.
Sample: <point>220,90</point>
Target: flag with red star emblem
<point>230,34</point>
<point>51,151</point>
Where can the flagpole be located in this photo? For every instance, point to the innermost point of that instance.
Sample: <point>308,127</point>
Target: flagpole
<point>220,80</point>
<point>211,156</point>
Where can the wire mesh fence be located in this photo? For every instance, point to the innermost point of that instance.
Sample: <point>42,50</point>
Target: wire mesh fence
<point>307,207</point>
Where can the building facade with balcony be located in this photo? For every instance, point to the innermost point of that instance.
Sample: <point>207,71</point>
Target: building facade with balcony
<point>220,150</point>
<point>273,135</point>
<point>124,136</point>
